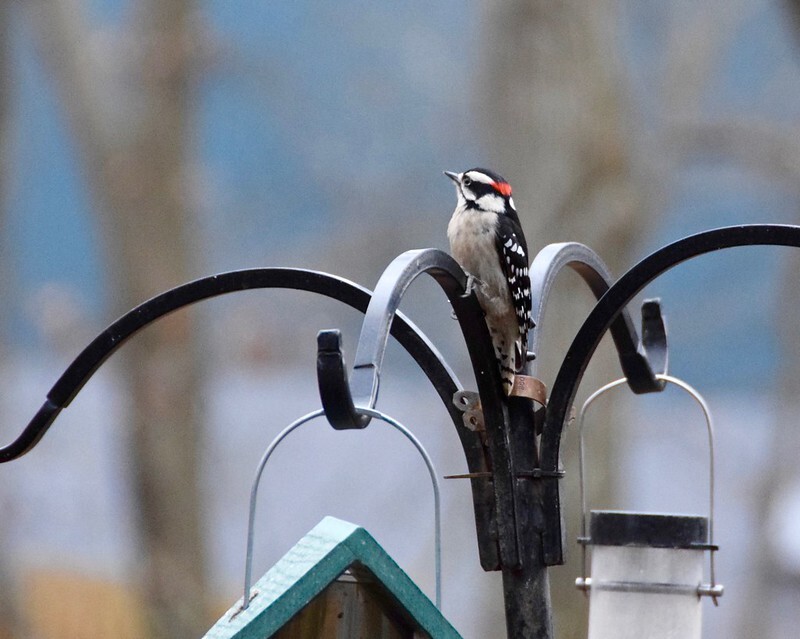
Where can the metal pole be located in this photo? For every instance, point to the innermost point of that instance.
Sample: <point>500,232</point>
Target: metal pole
<point>526,589</point>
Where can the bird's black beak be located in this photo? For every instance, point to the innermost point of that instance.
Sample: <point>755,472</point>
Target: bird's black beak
<point>452,176</point>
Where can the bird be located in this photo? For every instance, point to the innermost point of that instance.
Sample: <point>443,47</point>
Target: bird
<point>487,241</point>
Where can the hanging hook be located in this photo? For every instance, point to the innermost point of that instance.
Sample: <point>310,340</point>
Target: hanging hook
<point>583,346</point>
<point>642,359</point>
<point>713,590</point>
<point>347,397</point>
<point>437,543</point>
<point>334,389</point>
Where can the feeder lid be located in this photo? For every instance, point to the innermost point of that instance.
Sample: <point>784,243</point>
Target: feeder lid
<point>655,530</point>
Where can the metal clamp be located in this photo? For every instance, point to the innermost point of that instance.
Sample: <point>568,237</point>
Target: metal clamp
<point>469,403</point>
<point>530,388</point>
<point>372,413</point>
<point>713,589</point>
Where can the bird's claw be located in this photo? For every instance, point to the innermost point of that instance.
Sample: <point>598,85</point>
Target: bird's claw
<point>471,285</point>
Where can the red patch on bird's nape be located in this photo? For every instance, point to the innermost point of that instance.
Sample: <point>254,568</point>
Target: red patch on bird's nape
<point>503,188</point>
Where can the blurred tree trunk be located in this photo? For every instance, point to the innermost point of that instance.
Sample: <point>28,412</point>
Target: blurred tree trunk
<point>9,617</point>
<point>793,9</point>
<point>5,161</point>
<point>775,587</point>
<point>130,113</point>
<point>553,109</point>
<point>771,586</point>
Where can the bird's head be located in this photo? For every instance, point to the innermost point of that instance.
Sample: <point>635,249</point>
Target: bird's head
<point>482,190</point>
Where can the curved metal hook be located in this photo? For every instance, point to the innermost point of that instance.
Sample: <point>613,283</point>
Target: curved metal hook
<point>334,389</point>
<point>642,360</point>
<point>437,543</point>
<point>104,345</point>
<point>346,403</point>
<point>343,399</point>
<point>597,323</point>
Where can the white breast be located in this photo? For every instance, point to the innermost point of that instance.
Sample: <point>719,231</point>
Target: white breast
<point>472,242</point>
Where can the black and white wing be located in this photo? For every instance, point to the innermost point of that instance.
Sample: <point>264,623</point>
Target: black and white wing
<point>513,253</point>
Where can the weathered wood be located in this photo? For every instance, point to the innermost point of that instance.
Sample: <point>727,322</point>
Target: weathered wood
<point>347,609</point>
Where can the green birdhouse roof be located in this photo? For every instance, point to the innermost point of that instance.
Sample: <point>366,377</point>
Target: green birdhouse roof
<point>333,554</point>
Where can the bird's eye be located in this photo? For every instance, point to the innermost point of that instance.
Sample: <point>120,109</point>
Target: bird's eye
<point>466,180</point>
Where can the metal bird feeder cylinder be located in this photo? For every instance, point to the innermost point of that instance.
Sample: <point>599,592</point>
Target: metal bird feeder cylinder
<point>647,569</point>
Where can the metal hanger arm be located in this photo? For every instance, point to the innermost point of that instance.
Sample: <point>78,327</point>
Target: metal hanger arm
<point>642,360</point>
<point>104,345</point>
<point>598,322</point>
<point>343,399</point>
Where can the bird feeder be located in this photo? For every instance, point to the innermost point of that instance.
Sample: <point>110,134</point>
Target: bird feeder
<point>647,569</point>
<point>337,581</point>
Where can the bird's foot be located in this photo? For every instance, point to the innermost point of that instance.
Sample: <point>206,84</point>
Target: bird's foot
<point>472,283</point>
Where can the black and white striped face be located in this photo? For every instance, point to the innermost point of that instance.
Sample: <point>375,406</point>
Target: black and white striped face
<point>483,190</point>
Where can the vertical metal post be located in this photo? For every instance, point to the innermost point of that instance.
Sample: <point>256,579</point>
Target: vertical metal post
<point>526,588</point>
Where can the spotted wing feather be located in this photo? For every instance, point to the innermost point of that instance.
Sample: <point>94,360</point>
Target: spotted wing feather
<point>513,252</point>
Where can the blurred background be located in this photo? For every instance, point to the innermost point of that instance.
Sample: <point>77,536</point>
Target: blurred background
<point>144,144</point>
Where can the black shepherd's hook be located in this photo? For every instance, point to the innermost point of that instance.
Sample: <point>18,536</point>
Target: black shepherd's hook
<point>344,400</point>
<point>105,344</point>
<point>641,360</point>
<point>603,316</point>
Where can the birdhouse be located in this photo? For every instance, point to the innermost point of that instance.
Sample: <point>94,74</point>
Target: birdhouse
<point>335,582</point>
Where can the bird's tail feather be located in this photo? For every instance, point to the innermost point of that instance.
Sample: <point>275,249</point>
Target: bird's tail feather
<point>507,377</point>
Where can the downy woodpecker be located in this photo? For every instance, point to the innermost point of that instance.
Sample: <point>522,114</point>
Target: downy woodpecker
<point>486,239</point>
